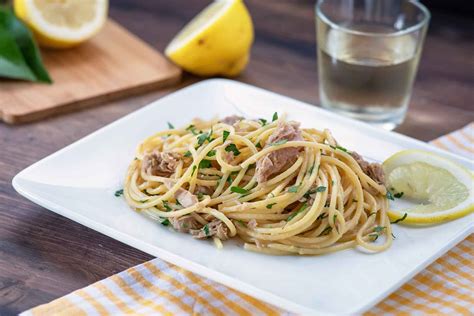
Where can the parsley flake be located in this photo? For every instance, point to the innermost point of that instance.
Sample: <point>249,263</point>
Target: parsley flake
<point>293,189</point>
<point>225,134</point>
<point>188,154</point>
<point>275,117</point>
<point>389,195</point>
<point>232,148</point>
<point>204,164</point>
<point>398,195</point>
<point>118,193</point>
<point>258,145</point>
<point>400,219</point>
<point>166,206</point>
<point>269,206</point>
<point>211,153</point>
<point>206,229</point>
<point>263,121</point>
<point>301,209</point>
<point>171,126</point>
<point>280,142</point>
<point>239,190</point>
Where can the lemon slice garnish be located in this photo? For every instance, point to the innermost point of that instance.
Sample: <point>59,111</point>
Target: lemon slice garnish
<point>435,188</point>
<point>216,42</point>
<point>62,23</point>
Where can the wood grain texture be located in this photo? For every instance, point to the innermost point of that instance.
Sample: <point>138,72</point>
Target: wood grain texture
<point>44,256</point>
<point>113,64</point>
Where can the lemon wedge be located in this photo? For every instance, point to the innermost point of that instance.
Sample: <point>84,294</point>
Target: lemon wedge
<point>435,188</point>
<point>62,23</point>
<point>216,42</point>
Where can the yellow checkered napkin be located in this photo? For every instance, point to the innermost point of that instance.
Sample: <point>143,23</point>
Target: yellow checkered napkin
<point>446,287</point>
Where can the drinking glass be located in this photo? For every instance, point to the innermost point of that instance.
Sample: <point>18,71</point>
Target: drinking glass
<point>368,53</point>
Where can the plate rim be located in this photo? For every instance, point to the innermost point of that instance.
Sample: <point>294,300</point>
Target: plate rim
<point>200,269</point>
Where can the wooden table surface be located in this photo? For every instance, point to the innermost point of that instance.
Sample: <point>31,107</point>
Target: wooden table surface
<point>44,256</point>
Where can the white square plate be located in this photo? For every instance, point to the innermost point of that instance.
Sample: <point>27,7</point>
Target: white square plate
<point>79,182</point>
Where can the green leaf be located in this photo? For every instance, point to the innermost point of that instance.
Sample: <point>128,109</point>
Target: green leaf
<point>118,193</point>
<point>211,153</point>
<point>293,189</point>
<point>400,219</point>
<point>340,148</point>
<point>19,55</point>
<point>206,229</point>
<point>280,142</point>
<point>301,209</point>
<point>192,129</point>
<point>232,148</point>
<point>239,190</point>
<point>164,221</point>
<point>390,196</point>
<point>225,134</point>
<point>275,117</point>
<point>188,154</point>
<point>398,195</point>
<point>194,169</point>
<point>166,206</point>
<point>269,206</point>
<point>205,164</point>
<point>171,126</point>
<point>258,145</point>
<point>263,121</point>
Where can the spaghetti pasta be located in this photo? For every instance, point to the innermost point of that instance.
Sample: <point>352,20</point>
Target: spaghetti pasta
<point>281,189</point>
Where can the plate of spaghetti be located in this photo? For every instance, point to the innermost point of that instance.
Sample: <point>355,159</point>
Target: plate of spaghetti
<point>273,197</point>
<point>280,188</point>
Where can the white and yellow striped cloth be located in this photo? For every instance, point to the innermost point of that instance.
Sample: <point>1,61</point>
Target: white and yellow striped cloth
<point>158,288</point>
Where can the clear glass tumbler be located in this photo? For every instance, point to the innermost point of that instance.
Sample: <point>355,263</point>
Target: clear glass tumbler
<point>368,53</point>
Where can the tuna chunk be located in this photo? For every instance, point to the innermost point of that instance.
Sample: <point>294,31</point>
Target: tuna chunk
<point>231,120</point>
<point>279,160</point>
<point>216,228</point>
<point>185,223</point>
<point>373,170</point>
<point>184,197</point>
<point>160,163</point>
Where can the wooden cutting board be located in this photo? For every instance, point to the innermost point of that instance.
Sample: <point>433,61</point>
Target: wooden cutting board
<point>113,64</point>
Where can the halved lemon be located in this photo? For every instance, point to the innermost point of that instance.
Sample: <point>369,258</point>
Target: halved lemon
<point>62,23</point>
<point>216,42</point>
<point>436,189</point>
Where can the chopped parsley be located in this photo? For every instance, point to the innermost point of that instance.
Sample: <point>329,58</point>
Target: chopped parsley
<point>200,196</point>
<point>323,216</point>
<point>400,219</point>
<point>269,206</point>
<point>301,209</point>
<point>375,236</point>
<point>389,195</point>
<point>239,190</point>
<point>293,189</point>
<point>171,126</point>
<point>205,164</point>
<point>263,121</point>
<point>206,229</point>
<point>258,145</point>
<point>275,117</point>
<point>340,148</point>
<point>334,218</point>
<point>203,137</point>
<point>379,229</point>
<point>192,129</point>
<point>194,169</point>
<point>232,148</point>
<point>164,221</point>
<point>225,134</point>
<point>118,193</point>
<point>188,154</point>
<point>144,201</point>
<point>315,190</point>
<point>280,142</point>
<point>326,231</point>
<point>166,206</point>
<point>398,195</point>
<point>211,153</point>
